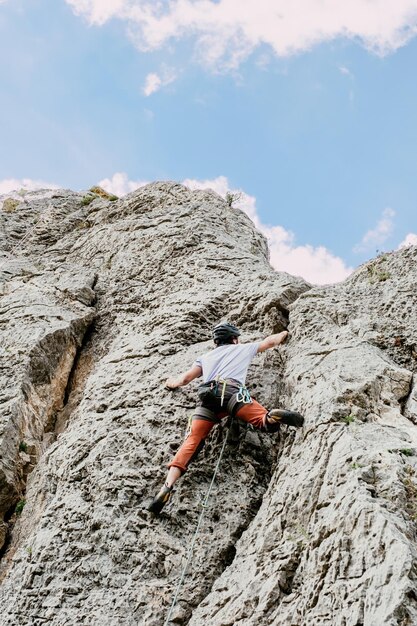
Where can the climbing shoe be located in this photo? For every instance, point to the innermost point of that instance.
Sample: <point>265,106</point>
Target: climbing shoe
<point>160,500</point>
<point>281,416</point>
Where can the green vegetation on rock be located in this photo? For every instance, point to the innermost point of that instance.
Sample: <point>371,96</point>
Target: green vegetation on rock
<point>10,205</point>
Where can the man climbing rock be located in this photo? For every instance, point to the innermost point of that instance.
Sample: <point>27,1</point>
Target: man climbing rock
<point>222,393</point>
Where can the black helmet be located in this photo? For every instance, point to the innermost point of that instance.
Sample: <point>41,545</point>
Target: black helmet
<point>223,332</point>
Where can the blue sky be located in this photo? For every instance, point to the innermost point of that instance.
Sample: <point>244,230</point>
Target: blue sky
<point>317,129</point>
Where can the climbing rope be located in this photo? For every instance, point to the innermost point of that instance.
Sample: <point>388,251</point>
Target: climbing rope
<point>200,519</point>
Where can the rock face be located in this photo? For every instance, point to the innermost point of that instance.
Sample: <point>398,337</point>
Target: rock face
<point>334,542</point>
<point>101,300</point>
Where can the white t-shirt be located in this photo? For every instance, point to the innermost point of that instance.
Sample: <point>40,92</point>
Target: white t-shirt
<point>228,361</point>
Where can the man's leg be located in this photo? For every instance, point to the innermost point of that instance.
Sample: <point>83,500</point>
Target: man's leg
<point>253,413</point>
<point>257,415</point>
<point>282,416</point>
<point>192,445</point>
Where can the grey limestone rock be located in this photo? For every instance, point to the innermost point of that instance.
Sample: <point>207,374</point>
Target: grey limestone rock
<point>100,302</point>
<point>334,542</point>
<point>155,272</point>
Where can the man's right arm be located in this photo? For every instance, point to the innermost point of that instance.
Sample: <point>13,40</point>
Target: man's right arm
<point>184,379</point>
<point>272,341</point>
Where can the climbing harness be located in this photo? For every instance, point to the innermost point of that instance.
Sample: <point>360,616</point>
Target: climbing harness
<point>223,392</point>
<point>221,395</point>
<point>200,519</point>
<point>243,395</point>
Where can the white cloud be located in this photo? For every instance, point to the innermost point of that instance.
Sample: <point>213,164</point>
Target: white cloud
<point>346,72</point>
<point>149,114</point>
<point>220,184</point>
<point>8,185</point>
<point>227,31</point>
<point>317,265</point>
<point>120,185</point>
<point>99,11</point>
<point>377,236</point>
<point>154,82</point>
<point>410,240</point>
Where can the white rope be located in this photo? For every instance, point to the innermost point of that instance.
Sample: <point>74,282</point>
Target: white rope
<point>200,519</point>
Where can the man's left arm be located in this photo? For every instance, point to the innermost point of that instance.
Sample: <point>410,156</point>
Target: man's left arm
<point>184,379</point>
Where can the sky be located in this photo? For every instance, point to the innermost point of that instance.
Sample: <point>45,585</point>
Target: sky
<point>306,110</point>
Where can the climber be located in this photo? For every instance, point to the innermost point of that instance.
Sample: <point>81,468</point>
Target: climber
<point>222,393</point>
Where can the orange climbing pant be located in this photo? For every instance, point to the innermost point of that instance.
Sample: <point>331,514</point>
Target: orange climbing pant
<point>253,413</point>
